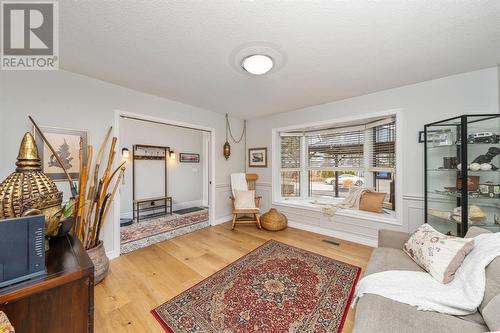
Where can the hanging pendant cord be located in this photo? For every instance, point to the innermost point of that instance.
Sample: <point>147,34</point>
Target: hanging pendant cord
<point>227,122</point>
<point>228,128</point>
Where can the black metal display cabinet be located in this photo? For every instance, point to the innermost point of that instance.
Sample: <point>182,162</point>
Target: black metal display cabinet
<point>462,175</point>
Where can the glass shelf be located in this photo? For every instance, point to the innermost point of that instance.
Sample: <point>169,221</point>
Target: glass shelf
<point>459,195</point>
<point>459,144</point>
<point>476,224</point>
<point>469,171</point>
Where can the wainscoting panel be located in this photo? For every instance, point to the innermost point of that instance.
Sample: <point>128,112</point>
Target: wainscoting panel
<point>414,211</point>
<point>355,229</point>
<point>301,215</point>
<point>265,191</point>
<point>223,207</point>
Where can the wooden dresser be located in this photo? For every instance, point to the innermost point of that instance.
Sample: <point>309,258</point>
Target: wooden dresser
<point>62,300</point>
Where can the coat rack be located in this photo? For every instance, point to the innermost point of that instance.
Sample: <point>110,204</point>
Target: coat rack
<point>145,208</point>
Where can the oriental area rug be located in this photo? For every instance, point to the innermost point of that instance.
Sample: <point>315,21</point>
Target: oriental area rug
<point>275,288</point>
<point>152,231</point>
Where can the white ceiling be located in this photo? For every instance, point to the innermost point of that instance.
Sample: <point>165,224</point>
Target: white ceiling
<point>332,49</point>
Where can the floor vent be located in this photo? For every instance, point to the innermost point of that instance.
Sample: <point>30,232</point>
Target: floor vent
<point>331,242</point>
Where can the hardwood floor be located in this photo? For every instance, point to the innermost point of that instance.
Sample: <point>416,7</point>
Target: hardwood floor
<point>141,280</point>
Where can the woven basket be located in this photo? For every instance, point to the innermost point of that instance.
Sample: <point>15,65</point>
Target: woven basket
<point>101,262</point>
<point>273,220</point>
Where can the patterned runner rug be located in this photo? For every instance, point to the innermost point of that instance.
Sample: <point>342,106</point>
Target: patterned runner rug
<point>152,231</point>
<point>275,288</point>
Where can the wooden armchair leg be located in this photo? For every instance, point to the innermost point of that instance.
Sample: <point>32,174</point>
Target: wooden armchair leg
<point>234,221</point>
<point>257,217</point>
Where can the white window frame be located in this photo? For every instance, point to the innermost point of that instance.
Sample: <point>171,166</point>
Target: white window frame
<point>300,169</point>
<point>304,186</point>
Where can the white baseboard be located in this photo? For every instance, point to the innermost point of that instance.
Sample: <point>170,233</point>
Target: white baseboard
<point>113,254</point>
<point>335,233</point>
<point>187,204</point>
<point>126,215</point>
<point>311,228</point>
<point>223,219</point>
<point>319,230</point>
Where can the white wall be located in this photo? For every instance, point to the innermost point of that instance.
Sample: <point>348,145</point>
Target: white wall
<point>64,99</point>
<point>468,93</point>
<point>185,180</point>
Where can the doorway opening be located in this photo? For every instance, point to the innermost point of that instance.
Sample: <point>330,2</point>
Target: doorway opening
<point>166,191</point>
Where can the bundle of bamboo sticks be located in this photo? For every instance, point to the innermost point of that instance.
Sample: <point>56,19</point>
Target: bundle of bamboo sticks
<point>92,201</point>
<point>94,198</point>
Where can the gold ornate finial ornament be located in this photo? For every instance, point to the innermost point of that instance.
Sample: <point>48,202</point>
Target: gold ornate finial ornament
<point>27,159</point>
<point>28,190</point>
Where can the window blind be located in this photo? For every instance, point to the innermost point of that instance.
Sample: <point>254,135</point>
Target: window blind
<point>336,151</point>
<point>290,152</point>
<point>382,143</point>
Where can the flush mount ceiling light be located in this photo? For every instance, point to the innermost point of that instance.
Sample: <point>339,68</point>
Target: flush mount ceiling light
<point>257,64</point>
<point>258,58</point>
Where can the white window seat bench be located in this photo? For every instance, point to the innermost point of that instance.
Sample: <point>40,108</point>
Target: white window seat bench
<point>311,204</point>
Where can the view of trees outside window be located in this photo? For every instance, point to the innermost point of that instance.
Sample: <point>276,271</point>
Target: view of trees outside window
<point>290,184</point>
<point>290,166</point>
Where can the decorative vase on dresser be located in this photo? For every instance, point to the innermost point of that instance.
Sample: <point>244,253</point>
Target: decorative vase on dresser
<point>100,260</point>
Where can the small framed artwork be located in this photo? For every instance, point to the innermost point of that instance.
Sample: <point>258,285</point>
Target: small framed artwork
<point>66,143</point>
<point>421,136</point>
<point>257,157</point>
<point>189,158</point>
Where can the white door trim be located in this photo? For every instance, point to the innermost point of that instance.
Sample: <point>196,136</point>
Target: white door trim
<point>116,203</point>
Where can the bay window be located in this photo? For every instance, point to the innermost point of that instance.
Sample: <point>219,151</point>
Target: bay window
<point>325,163</point>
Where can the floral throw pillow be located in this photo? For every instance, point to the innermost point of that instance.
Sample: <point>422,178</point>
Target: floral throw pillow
<point>438,254</point>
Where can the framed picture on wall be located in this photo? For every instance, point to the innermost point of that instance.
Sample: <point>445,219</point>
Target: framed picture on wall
<point>421,136</point>
<point>257,157</point>
<point>189,158</point>
<point>66,143</point>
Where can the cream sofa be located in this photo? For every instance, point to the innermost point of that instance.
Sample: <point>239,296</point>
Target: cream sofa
<point>378,314</point>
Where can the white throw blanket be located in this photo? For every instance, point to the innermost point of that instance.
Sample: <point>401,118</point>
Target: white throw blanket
<point>238,183</point>
<point>462,296</point>
<point>351,201</point>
